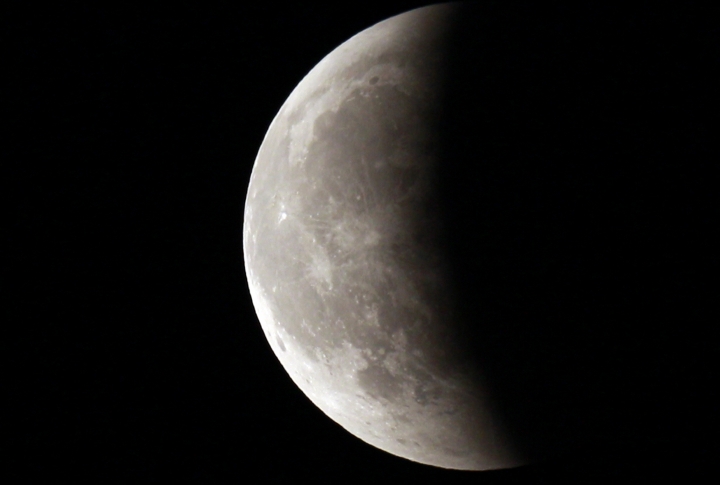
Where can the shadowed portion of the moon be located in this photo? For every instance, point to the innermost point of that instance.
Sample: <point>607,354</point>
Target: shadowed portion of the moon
<point>466,231</point>
<point>576,186</point>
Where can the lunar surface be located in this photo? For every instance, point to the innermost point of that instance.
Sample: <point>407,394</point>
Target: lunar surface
<point>480,238</point>
<point>342,246</point>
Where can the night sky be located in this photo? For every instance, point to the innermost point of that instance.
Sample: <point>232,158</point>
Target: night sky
<point>135,352</point>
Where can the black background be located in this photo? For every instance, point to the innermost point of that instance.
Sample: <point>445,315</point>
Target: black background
<point>134,351</point>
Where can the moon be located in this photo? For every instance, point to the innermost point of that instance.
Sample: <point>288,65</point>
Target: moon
<point>343,251</point>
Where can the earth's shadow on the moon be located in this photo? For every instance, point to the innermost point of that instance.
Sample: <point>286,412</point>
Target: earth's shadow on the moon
<point>570,145</point>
